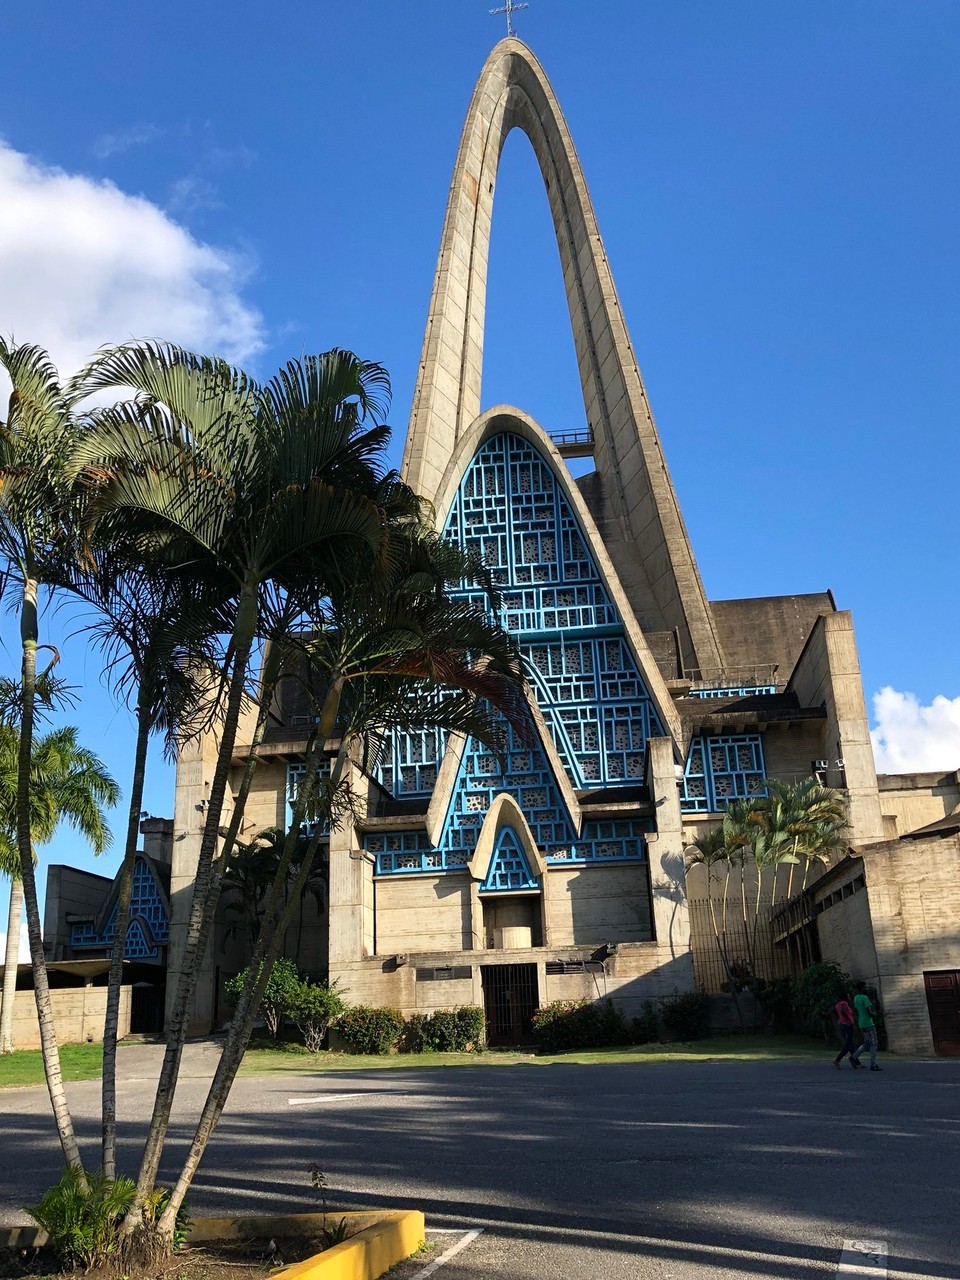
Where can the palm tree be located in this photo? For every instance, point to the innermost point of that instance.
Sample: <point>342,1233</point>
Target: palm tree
<point>389,650</point>
<point>275,490</point>
<point>68,783</point>
<point>249,874</point>
<point>36,442</point>
<point>710,850</point>
<point>157,629</point>
<point>812,816</point>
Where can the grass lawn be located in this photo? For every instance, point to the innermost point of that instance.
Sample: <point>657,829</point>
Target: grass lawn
<point>25,1066</point>
<point>83,1061</point>
<point>737,1048</point>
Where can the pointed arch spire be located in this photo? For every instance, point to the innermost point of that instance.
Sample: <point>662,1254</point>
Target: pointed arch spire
<point>645,531</point>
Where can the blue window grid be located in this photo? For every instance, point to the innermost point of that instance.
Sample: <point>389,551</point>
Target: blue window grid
<point>409,762</point>
<point>526,775</point>
<point>511,509</point>
<point>720,769</point>
<point>149,927</point>
<point>407,853</point>
<point>741,691</point>
<point>509,871</point>
<point>295,774</point>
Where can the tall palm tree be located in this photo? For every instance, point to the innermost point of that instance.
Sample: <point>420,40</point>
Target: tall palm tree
<point>157,629</point>
<point>388,650</point>
<point>812,816</point>
<point>68,783</point>
<point>276,490</point>
<point>37,438</point>
<point>249,874</point>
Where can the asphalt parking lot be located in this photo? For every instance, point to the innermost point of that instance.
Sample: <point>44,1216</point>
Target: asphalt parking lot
<point>690,1171</point>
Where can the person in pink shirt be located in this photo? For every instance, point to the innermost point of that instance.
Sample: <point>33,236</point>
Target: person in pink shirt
<point>847,1022</point>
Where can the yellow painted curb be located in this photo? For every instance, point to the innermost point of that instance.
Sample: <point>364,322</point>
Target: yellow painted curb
<point>383,1239</point>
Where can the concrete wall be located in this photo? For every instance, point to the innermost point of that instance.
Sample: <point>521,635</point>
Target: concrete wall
<point>845,929</point>
<point>592,905</point>
<point>70,891</point>
<point>635,973</point>
<point>828,674</point>
<point>423,913</point>
<point>913,900</point>
<point>912,800</point>
<point>78,1014</point>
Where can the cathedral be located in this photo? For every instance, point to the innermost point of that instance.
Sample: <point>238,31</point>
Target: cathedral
<point>557,871</point>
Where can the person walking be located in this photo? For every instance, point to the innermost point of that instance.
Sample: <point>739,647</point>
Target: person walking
<point>868,1029</point>
<point>846,1019</point>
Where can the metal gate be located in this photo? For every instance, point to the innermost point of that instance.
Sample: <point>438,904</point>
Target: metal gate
<point>146,1008</point>
<point>510,999</point>
<point>943,1002</point>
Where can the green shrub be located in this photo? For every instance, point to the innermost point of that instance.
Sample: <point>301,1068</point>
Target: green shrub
<point>82,1217</point>
<point>371,1030</point>
<point>685,1015</point>
<point>154,1206</point>
<point>776,996</point>
<point>416,1034</point>
<point>580,1024</point>
<point>445,1030</point>
<point>818,989</point>
<point>314,1007</point>
<point>283,981</point>
<point>646,1027</point>
<point>470,1030</point>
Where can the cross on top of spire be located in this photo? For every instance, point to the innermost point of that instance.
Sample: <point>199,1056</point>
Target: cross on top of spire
<point>510,8</point>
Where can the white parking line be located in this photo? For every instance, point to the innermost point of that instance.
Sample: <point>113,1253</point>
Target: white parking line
<point>863,1258</point>
<point>318,1099</point>
<point>445,1257</point>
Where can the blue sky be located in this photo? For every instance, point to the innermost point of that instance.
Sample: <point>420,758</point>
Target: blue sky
<point>776,184</point>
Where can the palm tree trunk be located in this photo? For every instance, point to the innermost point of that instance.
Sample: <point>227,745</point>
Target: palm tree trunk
<point>41,988</point>
<point>243,638</point>
<point>261,963</point>
<point>272,933</point>
<point>111,1021</point>
<point>10,965</point>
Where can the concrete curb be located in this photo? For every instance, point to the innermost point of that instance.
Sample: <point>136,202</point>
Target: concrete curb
<point>383,1238</point>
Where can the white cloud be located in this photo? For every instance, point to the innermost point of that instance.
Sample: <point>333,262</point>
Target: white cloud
<point>83,263</point>
<point>910,738</point>
<point>110,144</point>
<point>24,946</point>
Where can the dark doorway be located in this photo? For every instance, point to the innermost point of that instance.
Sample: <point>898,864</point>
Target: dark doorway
<point>943,1001</point>
<point>510,999</point>
<point>146,1008</point>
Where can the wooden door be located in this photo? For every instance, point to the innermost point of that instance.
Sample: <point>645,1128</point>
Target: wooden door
<point>943,1001</point>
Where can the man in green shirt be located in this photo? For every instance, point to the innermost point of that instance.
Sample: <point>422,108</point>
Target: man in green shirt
<point>868,1029</point>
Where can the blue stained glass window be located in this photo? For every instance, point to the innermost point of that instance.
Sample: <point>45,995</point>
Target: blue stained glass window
<point>511,509</point>
<point>527,776</point>
<point>295,773</point>
<point>149,927</point>
<point>720,769</point>
<point>509,871</point>
<point>409,761</point>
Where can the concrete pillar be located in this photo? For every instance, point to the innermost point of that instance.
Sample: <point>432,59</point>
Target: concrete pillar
<point>671,918</point>
<point>195,769</point>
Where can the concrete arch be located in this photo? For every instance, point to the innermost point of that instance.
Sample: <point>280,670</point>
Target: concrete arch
<point>644,528</point>
<point>505,812</point>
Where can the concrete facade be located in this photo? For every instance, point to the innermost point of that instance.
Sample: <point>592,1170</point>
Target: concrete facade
<point>78,1014</point>
<point>888,918</point>
<point>775,680</point>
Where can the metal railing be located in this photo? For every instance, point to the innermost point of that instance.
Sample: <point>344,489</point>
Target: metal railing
<point>769,960</point>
